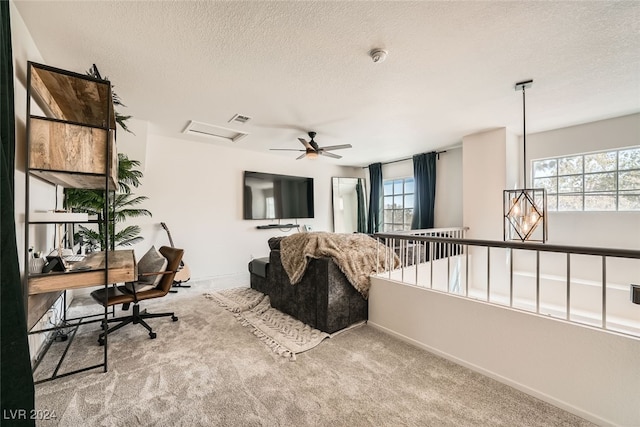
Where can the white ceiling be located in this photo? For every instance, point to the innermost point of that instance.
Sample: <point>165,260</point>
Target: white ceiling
<point>300,66</point>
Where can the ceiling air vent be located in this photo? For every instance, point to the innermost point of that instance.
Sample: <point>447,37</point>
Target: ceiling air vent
<point>239,118</point>
<point>205,129</point>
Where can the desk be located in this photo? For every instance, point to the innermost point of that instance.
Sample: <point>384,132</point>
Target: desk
<point>44,289</point>
<point>122,268</point>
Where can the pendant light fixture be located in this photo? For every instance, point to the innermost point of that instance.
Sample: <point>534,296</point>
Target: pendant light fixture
<point>525,210</point>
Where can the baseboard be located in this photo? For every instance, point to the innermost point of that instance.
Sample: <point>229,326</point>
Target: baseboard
<point>504,380</point>
<point>225,281</point>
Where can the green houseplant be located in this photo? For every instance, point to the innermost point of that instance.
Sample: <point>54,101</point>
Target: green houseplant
<point>124,205</point>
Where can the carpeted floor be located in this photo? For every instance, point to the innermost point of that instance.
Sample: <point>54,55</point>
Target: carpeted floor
<point>209,370</point>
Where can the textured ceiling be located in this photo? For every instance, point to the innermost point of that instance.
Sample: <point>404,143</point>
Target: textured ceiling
<point>300,66</point>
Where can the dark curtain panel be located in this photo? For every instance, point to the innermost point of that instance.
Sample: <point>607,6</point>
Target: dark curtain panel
<point>362,215</point>
<point>424,173</point>
<point>16,381</point>
<point>374,224</point>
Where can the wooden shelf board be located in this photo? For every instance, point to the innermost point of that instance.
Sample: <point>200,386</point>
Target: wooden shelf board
<point>75,98</point>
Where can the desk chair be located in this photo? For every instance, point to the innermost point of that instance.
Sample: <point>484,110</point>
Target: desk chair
<point>141,290</point>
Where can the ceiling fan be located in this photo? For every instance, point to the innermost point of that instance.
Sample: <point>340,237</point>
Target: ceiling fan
<point>312,150</point>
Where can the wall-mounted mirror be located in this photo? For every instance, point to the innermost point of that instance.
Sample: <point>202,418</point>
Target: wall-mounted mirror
<point>349,205</point>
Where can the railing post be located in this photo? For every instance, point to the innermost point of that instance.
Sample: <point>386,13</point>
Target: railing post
<point>604,292</point>
<point>488,274</point>
<point>510,252</point>
<point>538,282</point>
<point>568,286</point>
<point>466,271</point>
<point>391,252</point>
<point>448,272</point>
<point>431,264</point>
<point>417,258</point>
<point>403,258</point>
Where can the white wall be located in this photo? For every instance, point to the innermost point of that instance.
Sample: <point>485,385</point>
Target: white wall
<point>484,178</point>
<point>196,189</point>
<point>43,196</point>
<point>591,373</point>
<point>24,50</point>
<point>448,205</point>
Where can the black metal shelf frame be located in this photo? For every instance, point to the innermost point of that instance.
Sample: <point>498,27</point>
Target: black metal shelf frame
<point>29,174</point>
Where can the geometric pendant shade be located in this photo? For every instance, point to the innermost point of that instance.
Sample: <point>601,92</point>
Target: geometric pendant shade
<point>525,216</point>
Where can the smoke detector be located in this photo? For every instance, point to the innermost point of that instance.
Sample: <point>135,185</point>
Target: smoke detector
<point>378,55</point>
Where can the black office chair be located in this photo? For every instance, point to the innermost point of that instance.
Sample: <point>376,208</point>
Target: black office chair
<point>130,293</point>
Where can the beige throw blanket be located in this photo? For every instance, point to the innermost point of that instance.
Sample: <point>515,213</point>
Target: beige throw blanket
<point>357,255</point>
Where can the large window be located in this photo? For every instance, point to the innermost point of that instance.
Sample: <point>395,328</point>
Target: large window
<point>398,204</point>
<point>602,181</point>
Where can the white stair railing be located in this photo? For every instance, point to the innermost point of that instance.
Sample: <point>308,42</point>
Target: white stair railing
<point>441,259</point>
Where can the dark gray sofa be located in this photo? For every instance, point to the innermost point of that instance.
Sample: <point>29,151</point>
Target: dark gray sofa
<point>323,299</point>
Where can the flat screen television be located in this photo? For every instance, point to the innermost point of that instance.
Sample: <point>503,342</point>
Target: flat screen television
<point>273,196</point>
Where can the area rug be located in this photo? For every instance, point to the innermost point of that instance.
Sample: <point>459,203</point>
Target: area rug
<point>283,334</point>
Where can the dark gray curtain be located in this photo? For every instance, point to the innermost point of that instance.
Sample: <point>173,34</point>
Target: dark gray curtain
<point>374,224</point>
<point>361,215</point>
<point>424,174</point>
<point>16,380</point>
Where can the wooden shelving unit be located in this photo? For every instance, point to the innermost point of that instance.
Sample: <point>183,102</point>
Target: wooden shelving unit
<point>70,143</point>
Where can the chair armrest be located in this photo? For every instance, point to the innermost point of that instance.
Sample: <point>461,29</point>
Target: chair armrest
<point>156,273</point>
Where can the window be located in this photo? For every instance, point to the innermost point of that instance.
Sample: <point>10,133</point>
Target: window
<point>602,181</point>
<point>398,204</point>
<point>271,207</point>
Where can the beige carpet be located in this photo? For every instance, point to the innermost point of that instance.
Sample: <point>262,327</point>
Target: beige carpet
<point>282,333</point>
<point>208,370</point>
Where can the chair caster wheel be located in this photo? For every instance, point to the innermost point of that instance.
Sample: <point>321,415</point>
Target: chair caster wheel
<point>174,318</point>
<point>101,341</point>
<point>152,335</point>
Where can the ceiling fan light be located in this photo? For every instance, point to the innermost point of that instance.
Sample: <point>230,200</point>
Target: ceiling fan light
<point>312,155</point>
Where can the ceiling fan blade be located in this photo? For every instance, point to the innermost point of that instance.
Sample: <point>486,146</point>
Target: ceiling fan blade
<point>306,144</point>
<point>324,153</point>
<point>302,156</point>
<point>336,147</point>
<point>285,149</point>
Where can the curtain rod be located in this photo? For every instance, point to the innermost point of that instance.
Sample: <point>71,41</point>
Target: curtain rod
<point>407,158</point>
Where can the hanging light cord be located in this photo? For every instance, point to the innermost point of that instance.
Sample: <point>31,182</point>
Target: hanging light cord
<point>524,139</point>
